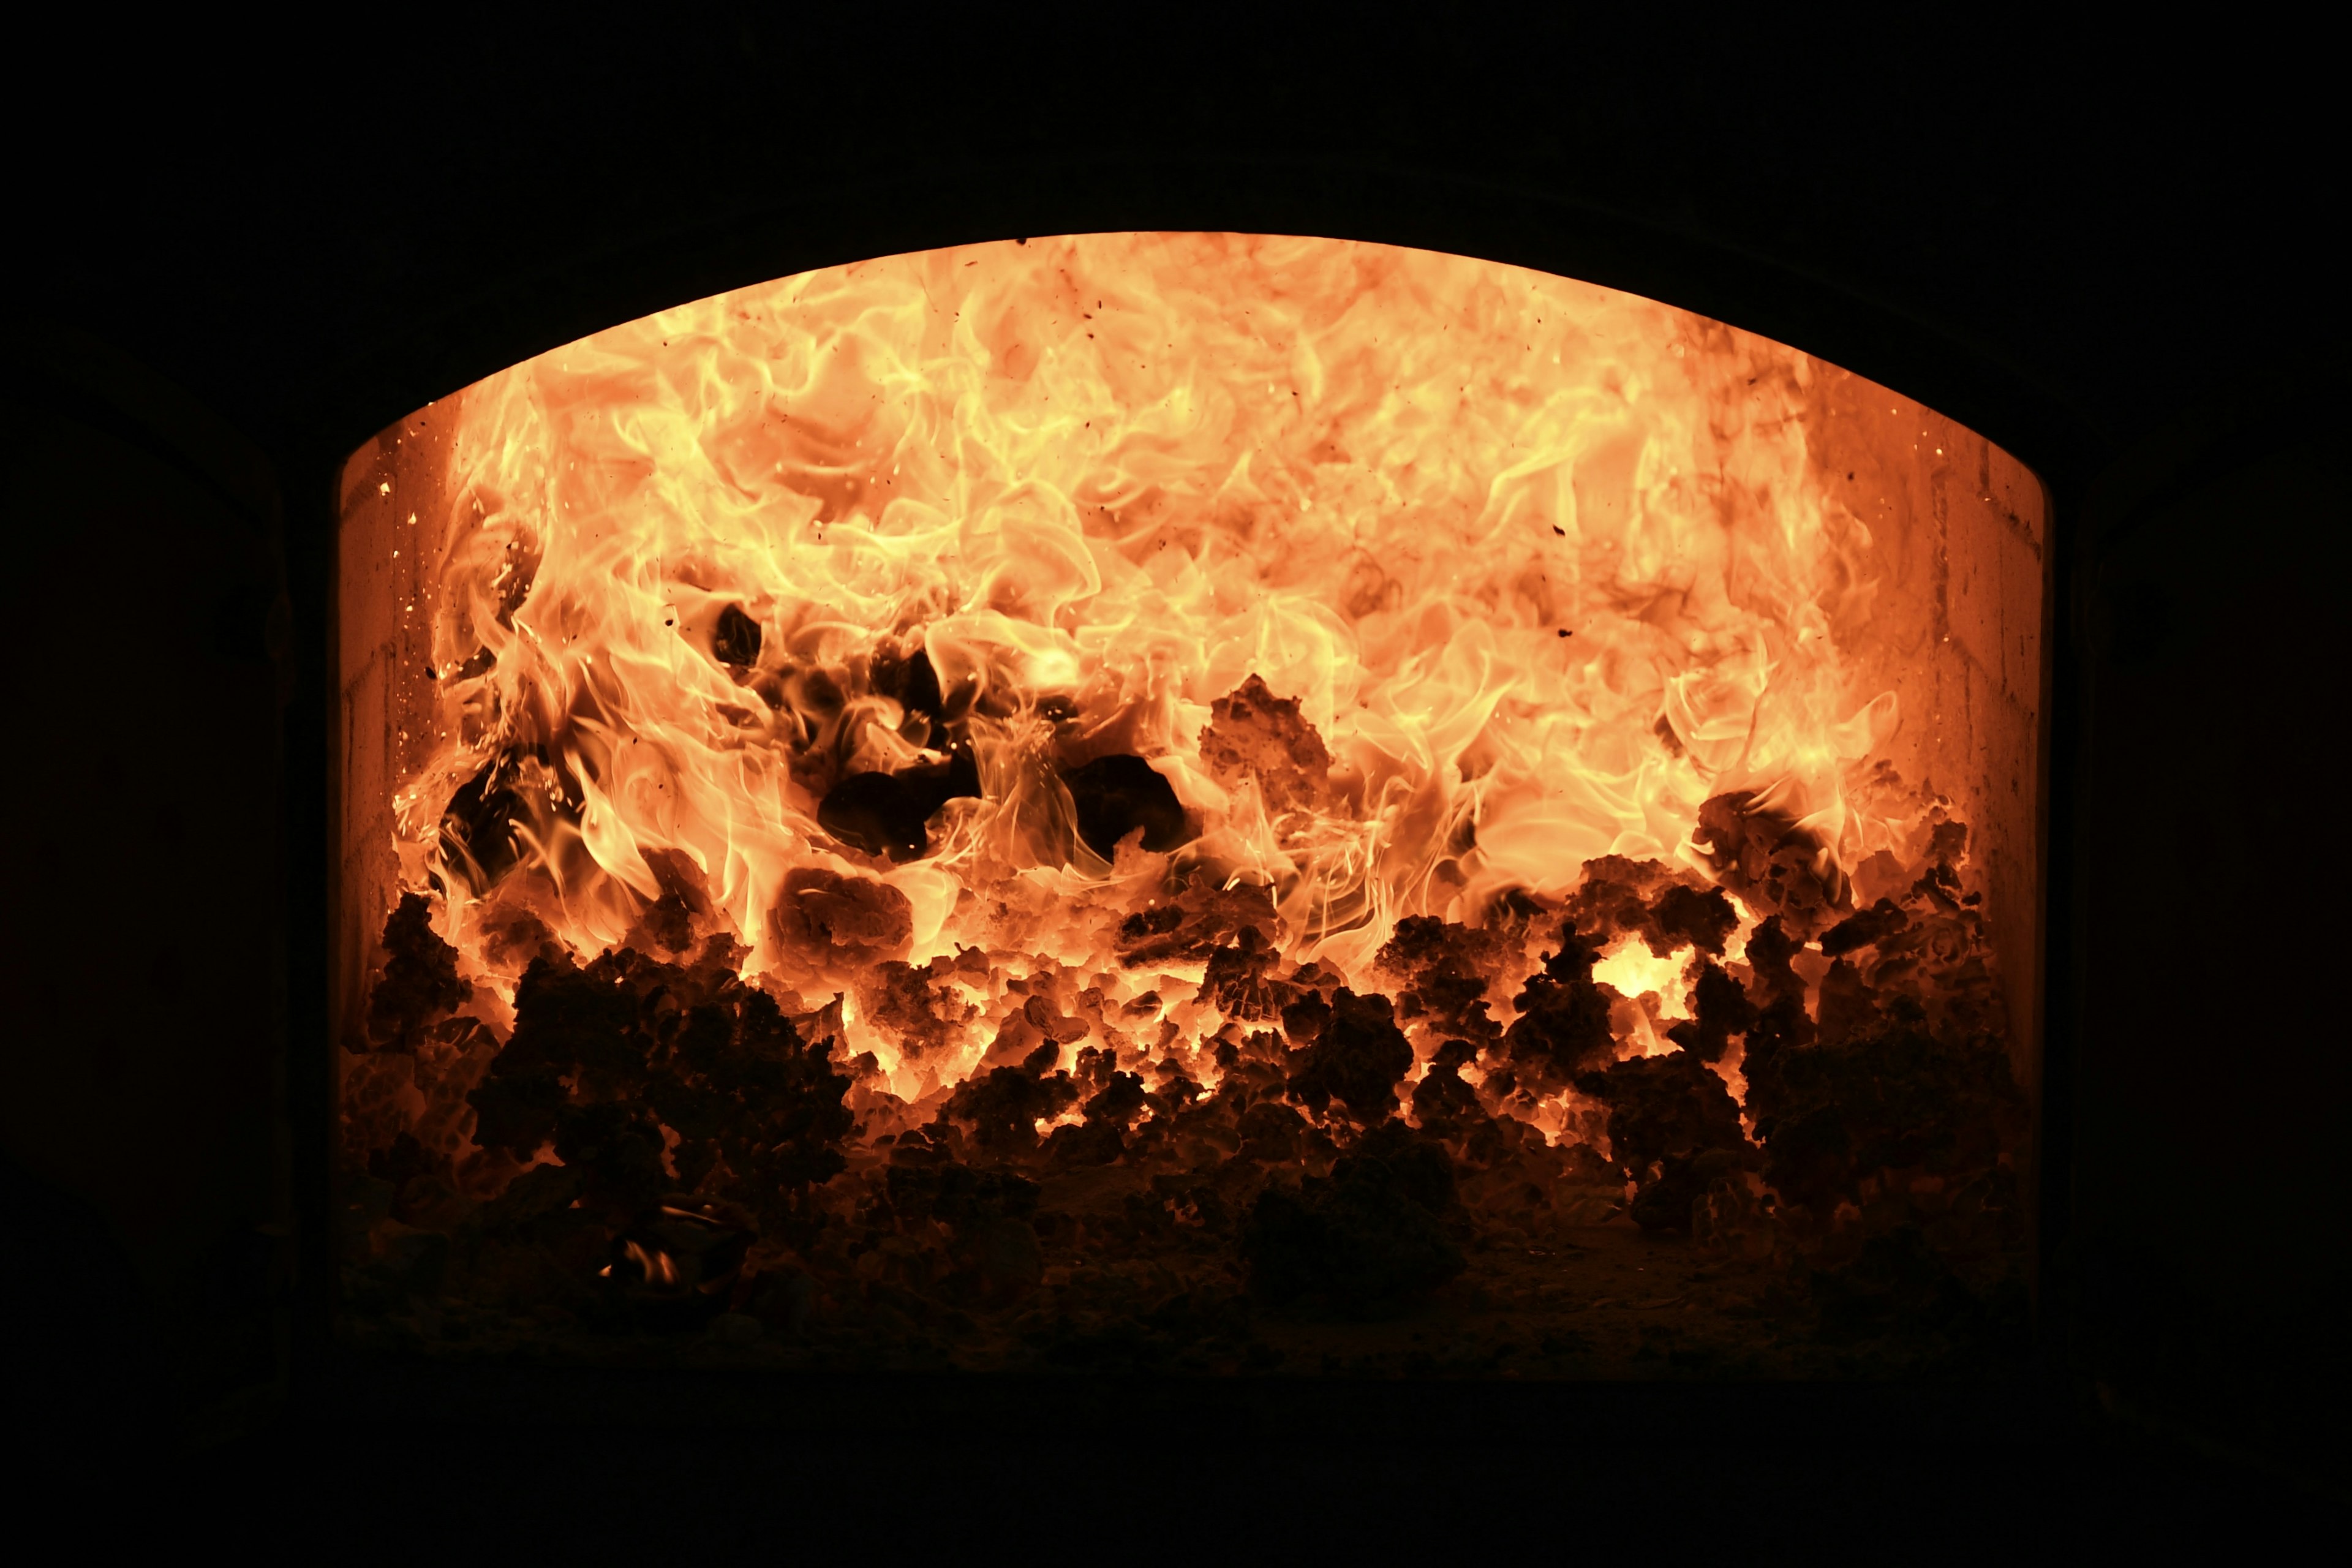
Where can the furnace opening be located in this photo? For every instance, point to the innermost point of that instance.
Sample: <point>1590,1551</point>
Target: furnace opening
<point>1224,802</point>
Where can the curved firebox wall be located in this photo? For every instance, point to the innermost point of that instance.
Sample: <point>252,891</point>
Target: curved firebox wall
<point>1283,764</point>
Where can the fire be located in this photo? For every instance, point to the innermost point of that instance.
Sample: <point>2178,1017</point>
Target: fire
<point>1633,970</point>
<point>946,616</point>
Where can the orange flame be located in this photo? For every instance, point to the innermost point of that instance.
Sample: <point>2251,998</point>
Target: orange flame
<point>1543,566</point>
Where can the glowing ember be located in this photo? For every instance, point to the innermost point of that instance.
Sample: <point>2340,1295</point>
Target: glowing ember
<point>1630,968</point>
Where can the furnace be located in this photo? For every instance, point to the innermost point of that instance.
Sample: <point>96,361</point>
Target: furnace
<point>1234,804</point>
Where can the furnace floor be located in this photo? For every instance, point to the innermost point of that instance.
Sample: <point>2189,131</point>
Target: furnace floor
<point>1602,1302</point>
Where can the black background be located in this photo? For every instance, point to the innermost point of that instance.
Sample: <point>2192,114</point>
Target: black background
<point>2104,246</point>
<point>2056,232</point>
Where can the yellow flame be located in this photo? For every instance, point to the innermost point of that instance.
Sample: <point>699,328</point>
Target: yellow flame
<point>1634,969</point>
<point>1543,564</point>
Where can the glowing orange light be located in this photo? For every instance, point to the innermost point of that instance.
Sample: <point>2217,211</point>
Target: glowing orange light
<point>1541,566</point>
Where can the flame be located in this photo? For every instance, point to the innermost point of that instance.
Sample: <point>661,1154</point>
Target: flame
<point>1634,969</point>
<point>1542,566</point>
<point>654,1266</point>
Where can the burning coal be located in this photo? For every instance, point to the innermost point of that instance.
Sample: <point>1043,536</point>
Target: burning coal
<point>1311,726</point>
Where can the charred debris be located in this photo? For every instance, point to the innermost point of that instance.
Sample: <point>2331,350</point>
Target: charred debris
<point>660,1159</point>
